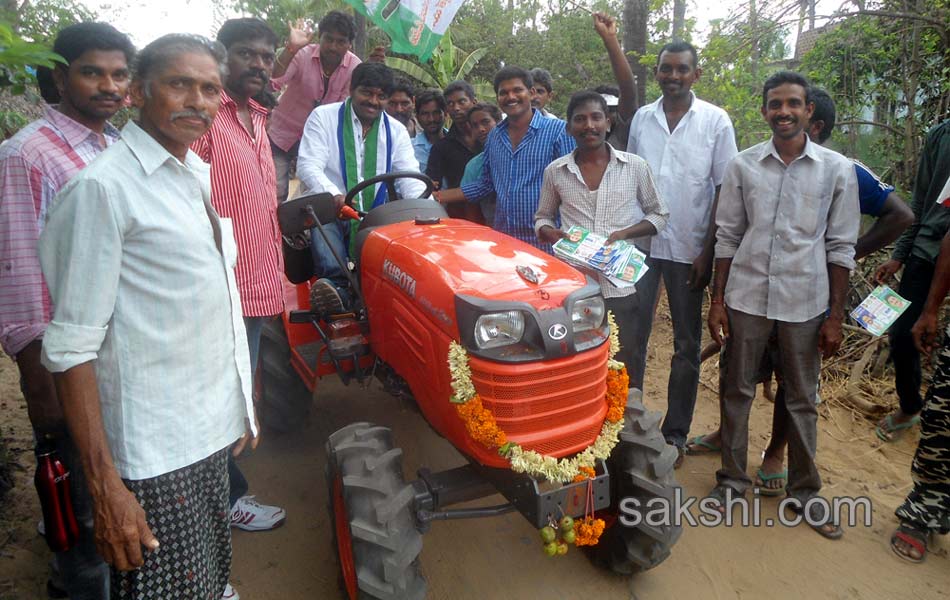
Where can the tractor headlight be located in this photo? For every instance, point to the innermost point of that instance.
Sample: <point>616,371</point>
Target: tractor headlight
<point>588,314</point>
<point>494,330</point>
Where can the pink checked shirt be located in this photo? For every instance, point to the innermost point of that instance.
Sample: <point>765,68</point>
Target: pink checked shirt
<point>34,165</point>
<point>304,88</point>
<point>244,189</point>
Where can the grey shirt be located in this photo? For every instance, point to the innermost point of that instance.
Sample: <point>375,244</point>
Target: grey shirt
<point>626,196</point>
<point>782,225</point>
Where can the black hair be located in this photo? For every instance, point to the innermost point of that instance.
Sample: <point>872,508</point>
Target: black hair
<point>611,90</point>
<point>156,55</point>
<point>676,47</point>
<point>542,77</point>
<point>459,86</point>
<point>338,22</point>
<point>781,78</point>
<point>579,98</point>
<point>403,85</point>
<point>506,73</point>
<point>245,29</point>
<point>487,107</point>
<point>824,111</point>
<point>373,75</point>
<point>426,96</point>
<point>73,41</point>
<point>44,81</point>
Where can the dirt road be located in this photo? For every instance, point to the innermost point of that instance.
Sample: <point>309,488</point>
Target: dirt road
<point>501,558</point>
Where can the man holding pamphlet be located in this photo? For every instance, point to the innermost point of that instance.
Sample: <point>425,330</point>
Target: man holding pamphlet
<point>606,193</point>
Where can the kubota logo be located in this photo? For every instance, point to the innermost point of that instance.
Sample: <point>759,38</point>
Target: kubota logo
<point>400,278</point>
<point>557,331</point>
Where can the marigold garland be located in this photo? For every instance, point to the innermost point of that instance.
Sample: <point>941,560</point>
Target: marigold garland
<point>481,425</point>
<point>587,531</point>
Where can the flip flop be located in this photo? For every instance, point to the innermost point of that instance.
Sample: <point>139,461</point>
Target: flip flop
<point>761,478</point>
<point>834,534</point>
<point>916,538</point>
<point>891,431</point>
<point>701,446</point>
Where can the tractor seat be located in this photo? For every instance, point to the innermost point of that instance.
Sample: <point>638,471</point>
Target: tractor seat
<point>396,212</point>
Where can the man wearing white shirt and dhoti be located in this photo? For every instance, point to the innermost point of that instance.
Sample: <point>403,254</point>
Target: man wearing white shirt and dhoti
<point>147,343</point>
<point>687,143</point>
<point>344,144</point>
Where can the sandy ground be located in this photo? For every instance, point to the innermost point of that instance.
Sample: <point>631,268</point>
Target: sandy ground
<point>501,558</point>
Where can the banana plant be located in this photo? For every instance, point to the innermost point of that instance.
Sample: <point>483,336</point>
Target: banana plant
<point>448,63</point>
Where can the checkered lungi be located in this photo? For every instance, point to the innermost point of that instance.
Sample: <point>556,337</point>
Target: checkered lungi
<point>187,511</point>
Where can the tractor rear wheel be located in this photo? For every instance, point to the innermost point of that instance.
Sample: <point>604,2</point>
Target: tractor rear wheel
<point>641,467</point>
<point>371,508</point>
<point>283,401</point>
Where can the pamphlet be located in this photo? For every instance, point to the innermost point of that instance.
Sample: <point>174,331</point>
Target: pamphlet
<point>879,310</point>
<point>621,262</point>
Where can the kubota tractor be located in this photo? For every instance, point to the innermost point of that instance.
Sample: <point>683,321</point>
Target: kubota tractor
<point>537,338</point>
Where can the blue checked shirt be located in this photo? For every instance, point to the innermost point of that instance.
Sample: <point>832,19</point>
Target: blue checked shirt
<point>515,176</point>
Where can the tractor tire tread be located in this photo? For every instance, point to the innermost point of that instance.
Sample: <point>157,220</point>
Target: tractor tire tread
<point>386,544</point>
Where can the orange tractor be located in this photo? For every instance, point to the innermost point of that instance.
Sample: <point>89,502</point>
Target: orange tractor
<point>536,337</point>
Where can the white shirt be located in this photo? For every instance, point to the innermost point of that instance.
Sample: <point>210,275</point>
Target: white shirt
<point>141,271</point>
<point>688,163</point>
<point>318,162</point>
<point>782,225</point>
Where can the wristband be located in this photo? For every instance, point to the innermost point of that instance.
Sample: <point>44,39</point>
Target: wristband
<point>720,301</point>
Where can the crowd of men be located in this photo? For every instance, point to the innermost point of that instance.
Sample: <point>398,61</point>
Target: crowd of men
<point>139,267</point>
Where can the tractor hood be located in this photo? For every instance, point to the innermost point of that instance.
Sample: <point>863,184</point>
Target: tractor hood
<point>478,262</point>
<point>453,272</point>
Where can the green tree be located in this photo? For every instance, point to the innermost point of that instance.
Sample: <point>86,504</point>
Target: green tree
<point>40,21</point>
<point>447,64</point>
<point>888,69</point>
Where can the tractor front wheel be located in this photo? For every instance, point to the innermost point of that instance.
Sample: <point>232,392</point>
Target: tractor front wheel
<point>641,467</point>
<point>375,536</point>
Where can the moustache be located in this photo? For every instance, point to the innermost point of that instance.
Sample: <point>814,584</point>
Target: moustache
<point>259,73</point>
<point>191,114</point>
<point>107,97</point>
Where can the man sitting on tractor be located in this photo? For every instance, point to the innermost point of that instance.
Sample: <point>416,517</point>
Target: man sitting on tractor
<point>343,144</point>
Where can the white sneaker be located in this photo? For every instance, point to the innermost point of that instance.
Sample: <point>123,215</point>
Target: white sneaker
<point>230,593</point>
<point>250,515</point>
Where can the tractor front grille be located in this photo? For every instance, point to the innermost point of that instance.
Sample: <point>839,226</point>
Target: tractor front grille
<point>554,407</point>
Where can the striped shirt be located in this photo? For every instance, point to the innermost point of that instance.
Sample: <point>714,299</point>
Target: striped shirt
<point>243,189</point>
<point>782,225</point>
<point>515,175</point>
<point>34,165</point>
<point>625,197</point>
<point>305,91</point>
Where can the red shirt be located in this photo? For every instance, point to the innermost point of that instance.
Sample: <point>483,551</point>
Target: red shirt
<point>244,189</point>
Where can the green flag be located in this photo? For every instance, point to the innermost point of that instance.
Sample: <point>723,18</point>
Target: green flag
<point>414,26</point>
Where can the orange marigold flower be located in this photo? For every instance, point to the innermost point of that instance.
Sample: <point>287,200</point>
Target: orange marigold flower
<point>617,382</point>
<point>480,423</point>
<point>587,532</point>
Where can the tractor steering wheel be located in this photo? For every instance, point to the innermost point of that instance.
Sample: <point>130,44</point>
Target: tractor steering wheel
<point>389,180</point>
